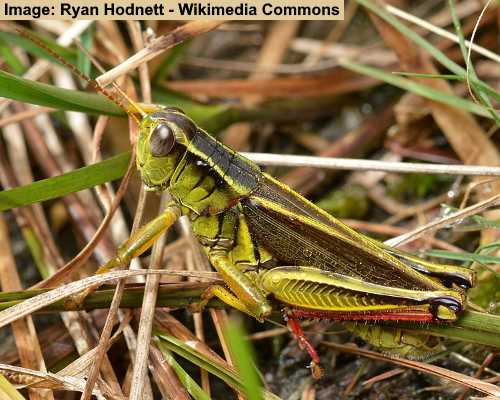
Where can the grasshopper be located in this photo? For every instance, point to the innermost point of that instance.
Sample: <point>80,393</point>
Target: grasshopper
<point>275,249</point>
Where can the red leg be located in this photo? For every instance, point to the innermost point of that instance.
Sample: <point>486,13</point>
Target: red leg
<point>292,317</point>
<point>304,343</point>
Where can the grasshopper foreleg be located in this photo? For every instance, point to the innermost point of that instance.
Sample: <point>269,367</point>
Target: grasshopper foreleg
<point>143,238</point>
<point>134,246</point>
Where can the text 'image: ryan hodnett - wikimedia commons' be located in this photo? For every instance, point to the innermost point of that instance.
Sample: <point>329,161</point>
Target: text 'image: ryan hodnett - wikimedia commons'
<point>260,200</point>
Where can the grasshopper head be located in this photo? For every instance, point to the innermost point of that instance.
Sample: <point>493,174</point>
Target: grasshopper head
<point>161,142</point>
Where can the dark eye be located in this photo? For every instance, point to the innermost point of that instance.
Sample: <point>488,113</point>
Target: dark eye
<point>162,141</point>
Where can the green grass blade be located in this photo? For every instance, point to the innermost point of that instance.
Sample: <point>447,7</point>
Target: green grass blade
<point>478,84</point>
<point>472,326</point>
<point>483,222</point>
<point>11,58</point>
<point>27,91</point>
<point>479,258</point>
<point>480,321</point>
<point>419,40</point>
<point>228,376</point>
<point>241,353</point>
<point>417,88</point>
<point>14,39</point>
<point>413,36</point>
<point>84,63</point>
<point>488,246</point>
<point>175,345</point>
<point>471,73</point>
<point>447,77</point>
<point>70,182</point>
<point>8,391</point>
<point>189,383</point>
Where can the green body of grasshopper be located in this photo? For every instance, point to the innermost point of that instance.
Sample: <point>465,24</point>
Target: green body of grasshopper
<point>272,246</point>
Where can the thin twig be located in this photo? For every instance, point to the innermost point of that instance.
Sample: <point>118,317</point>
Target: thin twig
<point>44,299</point>
<point>456,216</point>
<point>286,160</point>
<point>442,32</point>
<point>424,367</point>
<point>147,317</point>
<point>157,47</point>
<point>21,116</point>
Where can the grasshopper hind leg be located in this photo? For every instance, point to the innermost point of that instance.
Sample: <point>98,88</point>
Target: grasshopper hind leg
<point>304,343</point>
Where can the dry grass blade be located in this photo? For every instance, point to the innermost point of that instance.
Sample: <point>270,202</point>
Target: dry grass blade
<point>454,217</point>
<point>165,322</point>
<point>37,380</point>
<point>330,84</point>
<point>166,378</point>
<point>157,47</point>
<point>24,331</point>
<point>242,66</point>
<point>234,75</point>
<point>370,165</point>
<point>140,380</point>
<point>21,116</point>
<point>388,230</point>
<point>80,366</point>
<point>463,132</point>
<point>461,379</point>
<point>36,303</point>
<point>383,376</point>
<point>442,32</point>
<point>147,316</point>
<point>272,52</point>
<point>62,274</point>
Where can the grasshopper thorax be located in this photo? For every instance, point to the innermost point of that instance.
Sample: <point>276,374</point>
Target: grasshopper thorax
<point>162,141</point>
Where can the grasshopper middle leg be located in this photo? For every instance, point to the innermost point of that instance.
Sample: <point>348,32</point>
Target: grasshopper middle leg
<point>229,247</point>
<point>243,294</point>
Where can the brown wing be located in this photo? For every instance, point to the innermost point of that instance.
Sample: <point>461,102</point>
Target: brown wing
<point>325,243</point>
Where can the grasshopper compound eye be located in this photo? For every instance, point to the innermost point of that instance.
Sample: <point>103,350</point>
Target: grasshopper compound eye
<point>162,140</point>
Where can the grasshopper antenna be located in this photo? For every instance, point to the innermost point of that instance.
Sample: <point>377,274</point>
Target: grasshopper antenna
<point>92,82</point>
<point>117,88</point>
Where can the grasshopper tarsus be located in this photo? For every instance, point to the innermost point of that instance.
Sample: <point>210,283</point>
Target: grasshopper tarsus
<point>304,343</point>
<point>316,371</point>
